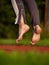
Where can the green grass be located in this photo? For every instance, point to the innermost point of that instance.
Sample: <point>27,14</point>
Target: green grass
<point>7,41</point>
<point>24,58</point>
<point>42,42</point>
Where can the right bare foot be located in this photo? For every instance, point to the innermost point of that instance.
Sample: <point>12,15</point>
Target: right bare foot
<point>22,31</point>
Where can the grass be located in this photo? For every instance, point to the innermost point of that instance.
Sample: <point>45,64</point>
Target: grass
<point>24,58</point>
<point>42,42</point>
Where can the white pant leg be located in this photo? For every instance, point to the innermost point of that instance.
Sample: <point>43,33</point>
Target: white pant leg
<point>16,10</point>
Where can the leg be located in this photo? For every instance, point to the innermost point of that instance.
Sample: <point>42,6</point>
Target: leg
<point>34,20</point>
<point>23,27</point>
<point>18,9</point>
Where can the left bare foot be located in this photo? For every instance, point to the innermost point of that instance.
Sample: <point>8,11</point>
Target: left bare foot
<point>36,35</point>
<point>35,38</point>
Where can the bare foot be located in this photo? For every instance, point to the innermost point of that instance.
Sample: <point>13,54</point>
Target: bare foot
<point>35,38</point>
<point>36,35</point>
<point>22,31</point>
<point>38,29</point>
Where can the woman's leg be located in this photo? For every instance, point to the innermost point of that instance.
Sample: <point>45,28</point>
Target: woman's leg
<point>33,12</point>
<point>23,27</point>
<point>18,9</point>
<point>35,20</point>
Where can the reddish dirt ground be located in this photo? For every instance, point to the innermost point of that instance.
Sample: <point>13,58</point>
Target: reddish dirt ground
<point>24,48</point>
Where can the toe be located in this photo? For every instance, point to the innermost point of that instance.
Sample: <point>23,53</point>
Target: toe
<point>32,43</point>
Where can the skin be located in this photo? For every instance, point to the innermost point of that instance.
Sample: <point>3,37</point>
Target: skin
<point>23,28</point>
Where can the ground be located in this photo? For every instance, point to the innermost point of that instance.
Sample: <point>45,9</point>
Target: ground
<point>24,45</point>
<point>24,48</point>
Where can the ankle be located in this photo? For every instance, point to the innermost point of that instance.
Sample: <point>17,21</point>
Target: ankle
<point>37,29</point>
<point>36,26</point>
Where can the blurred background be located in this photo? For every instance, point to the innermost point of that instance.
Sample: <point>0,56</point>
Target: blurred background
<point>8,30</point>
<point>9,33</point>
